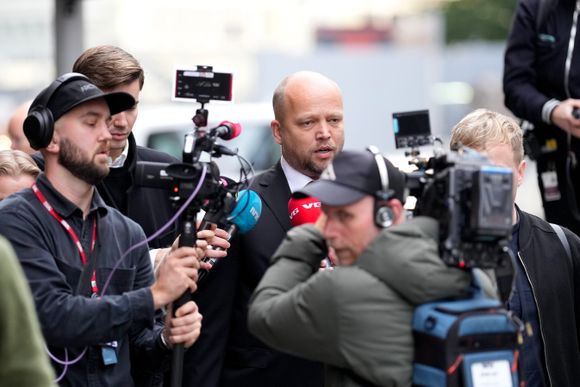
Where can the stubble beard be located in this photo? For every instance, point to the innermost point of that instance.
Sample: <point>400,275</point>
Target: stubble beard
<point>71,157</point>
<point>307,166</point>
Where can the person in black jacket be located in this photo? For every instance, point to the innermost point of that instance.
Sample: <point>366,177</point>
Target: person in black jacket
<point>547,283</point>
<point>309,127</point>
<point>113,69</point>
<point>542,86</point>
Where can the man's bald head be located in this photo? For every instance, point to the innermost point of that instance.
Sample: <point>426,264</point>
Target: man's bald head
<point>308,122</point>
<point>299,81</point>
<point>15,129</point>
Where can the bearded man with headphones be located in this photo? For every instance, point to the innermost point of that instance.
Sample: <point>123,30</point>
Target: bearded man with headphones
<point>88,265</point>
<point>356,318</point>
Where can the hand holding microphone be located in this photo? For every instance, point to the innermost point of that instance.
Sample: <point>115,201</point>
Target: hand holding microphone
<point>242,218</point>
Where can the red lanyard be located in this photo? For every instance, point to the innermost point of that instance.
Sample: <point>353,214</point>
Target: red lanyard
<point>73,235</point>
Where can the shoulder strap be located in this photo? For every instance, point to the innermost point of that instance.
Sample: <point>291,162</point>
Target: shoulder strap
<point>544,8</point>
<point>564,240</point>
<point>84,284</point>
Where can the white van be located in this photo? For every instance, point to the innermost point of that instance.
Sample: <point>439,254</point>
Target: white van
<point>163,127</point>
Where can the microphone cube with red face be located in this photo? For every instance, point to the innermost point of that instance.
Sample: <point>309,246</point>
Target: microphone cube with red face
<point>303,210</point>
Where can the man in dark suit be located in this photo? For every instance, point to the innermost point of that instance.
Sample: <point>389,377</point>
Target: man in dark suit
<point>308,125</point>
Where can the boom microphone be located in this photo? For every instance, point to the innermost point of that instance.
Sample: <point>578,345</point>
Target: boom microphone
<point>242,219</point>
<point>226,130</point>
<point>303,210</point>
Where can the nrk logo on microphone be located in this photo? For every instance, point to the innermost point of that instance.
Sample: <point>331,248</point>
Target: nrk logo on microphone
<point>255,213</point>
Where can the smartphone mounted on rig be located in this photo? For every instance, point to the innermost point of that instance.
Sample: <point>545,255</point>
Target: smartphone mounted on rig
<point>203,85</point>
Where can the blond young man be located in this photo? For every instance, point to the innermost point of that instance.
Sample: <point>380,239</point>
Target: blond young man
<point>547,288</point>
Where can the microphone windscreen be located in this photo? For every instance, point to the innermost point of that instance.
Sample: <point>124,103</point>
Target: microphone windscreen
<point>235,129</point>
<point>247,211</point>
<point>303,210</point>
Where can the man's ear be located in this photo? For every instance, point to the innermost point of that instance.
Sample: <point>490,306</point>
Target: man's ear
<point>54,144</point>
<point>398,211</point>
<point>275,126</point>
<point>521,171</point>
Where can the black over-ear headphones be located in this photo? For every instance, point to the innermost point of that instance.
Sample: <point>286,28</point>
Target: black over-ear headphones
<point>39,124</point>
<point>383,214</point>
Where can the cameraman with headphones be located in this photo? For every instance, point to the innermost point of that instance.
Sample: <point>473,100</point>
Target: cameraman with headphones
<point>91,306</point>
<point>356,318</point>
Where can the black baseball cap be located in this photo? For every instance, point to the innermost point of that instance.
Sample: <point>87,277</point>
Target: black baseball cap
<point>353,175</point>
<point>78,91</point>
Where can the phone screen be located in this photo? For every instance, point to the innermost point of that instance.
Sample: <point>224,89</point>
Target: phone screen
<point>203,85</point>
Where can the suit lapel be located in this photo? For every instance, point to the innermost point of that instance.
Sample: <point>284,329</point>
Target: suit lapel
<point>275,194</point>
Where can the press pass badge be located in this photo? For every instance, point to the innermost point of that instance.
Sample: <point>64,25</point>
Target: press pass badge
<point>109,353</point>
<point>551,190</point>
<point>491,374</point>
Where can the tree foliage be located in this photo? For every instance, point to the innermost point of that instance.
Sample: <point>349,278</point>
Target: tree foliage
<point>478,19</point>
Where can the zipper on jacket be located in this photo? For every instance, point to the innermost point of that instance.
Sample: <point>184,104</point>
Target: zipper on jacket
<point>539,317</point>
<point>571,42</point>
<point>568,62</point>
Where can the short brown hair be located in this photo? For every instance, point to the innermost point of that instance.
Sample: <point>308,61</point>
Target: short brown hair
<point>483,127</point>
<point>109,66</point>
<point>15,163</point>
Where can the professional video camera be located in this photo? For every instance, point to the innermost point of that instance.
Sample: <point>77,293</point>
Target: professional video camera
<point>471,198</point>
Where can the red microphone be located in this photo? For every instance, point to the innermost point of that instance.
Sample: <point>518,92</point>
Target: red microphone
<point>227,130</point>
<point>304,210</point>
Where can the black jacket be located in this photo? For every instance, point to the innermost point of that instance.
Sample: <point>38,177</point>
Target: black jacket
<point>555,281</point>
<point>149,207</point>
<point>227,354</point>
<point>534,63</point>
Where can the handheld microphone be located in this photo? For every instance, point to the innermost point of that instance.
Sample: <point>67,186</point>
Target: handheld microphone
<point>305,210</point>
<point>247,211</point>
<point>226,130</point>
<point>242,219</point>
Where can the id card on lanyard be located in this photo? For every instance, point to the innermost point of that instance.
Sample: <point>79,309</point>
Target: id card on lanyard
<point>73,235</point>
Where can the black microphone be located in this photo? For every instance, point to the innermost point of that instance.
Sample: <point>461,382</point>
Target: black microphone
<point>226,130</point>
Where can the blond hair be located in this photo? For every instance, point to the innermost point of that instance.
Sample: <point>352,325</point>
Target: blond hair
<point>109,66</point>
<point>483,128</point>
<point>15,163</point>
